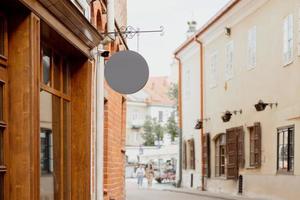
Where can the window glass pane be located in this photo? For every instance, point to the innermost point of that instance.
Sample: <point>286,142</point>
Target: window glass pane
<point>46,66</point>
<point>56,69</point>
<point>66,77</point>
<point>50,152</point>
<point>67,147</point>
<point>2,39</point>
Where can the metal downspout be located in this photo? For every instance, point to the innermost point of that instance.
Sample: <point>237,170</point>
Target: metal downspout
<point>201,112</point>
<point>180,119</point>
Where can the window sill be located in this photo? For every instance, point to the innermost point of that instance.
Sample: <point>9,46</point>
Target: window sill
<point>288,63</point>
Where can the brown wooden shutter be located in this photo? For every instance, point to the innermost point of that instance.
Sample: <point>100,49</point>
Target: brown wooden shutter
<point>257,144</point>
<point>206,154</point>
<point>232,156</point>
<point>192,153</point>
<point>184,155</point>
<point>241,146</point>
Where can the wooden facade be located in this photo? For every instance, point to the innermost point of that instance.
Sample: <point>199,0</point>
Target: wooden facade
<point>29,80</point>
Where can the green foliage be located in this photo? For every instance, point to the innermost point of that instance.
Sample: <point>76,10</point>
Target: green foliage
<point>172,127</point>
<point>153,131</point>
<point>148,135</point>
<point>173,92</point>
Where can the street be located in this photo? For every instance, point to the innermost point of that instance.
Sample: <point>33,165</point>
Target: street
<point>156,193</point>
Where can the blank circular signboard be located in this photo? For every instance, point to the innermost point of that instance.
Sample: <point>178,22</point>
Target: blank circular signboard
<point>126,72</point>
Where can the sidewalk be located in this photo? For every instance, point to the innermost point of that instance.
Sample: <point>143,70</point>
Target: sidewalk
<point>210,194</point>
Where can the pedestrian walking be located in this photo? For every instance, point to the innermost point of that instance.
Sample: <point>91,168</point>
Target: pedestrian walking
<point>140,173</point>
<point>149,174</point>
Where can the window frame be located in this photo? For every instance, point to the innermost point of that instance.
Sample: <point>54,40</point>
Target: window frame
<point>280,130</point>
<point>229,55</point>
<point>4,170</point>
<point>213,77</point>
<point>4,56</point>
<point>288,39</point>
<point>218,161</point>
<point>251,48</point>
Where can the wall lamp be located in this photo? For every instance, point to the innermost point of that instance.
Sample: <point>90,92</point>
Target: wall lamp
<point>260,106</point>
<point>227,115</point>
<point>199,124</point>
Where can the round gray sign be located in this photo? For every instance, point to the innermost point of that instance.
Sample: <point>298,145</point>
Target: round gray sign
<point>126,72</point>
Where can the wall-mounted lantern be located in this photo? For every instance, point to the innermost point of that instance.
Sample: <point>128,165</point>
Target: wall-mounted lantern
<point>227,116</point>
<point>199,124</point>
<point>227,31</point>
<point>260,106</point>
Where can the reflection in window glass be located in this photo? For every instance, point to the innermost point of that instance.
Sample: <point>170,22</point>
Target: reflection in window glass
<point>46,155</point>
<point>56,70</point>
<point>66,77</point>
<point>46,66</point>
<point>285,161</point>
<point>2,39</point>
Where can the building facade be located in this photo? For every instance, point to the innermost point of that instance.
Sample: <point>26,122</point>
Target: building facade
<point>249,64</point>
<point>152,101</point>
<point>46,100</point>
<point>114,105</point>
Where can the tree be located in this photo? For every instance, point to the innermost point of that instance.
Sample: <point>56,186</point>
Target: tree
<point>172,127</point>
<point>148,135</point>
<point>153,131</point>
<point>173,93</point>
<point>158,130</point>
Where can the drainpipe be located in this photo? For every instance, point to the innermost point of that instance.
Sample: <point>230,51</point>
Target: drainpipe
<point>201,110</point>
<point>180,119</point>
<point>110,22</point>
<point>98,119</point>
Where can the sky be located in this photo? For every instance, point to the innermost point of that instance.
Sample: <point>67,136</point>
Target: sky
<point>173,15</point>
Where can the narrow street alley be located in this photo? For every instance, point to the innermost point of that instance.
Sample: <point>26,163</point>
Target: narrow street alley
<point>158,192</point>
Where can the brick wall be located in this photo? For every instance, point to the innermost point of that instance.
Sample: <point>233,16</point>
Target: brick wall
<point>114,116</point>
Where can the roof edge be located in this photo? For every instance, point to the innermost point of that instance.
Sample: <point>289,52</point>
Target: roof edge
<point>207,25</point>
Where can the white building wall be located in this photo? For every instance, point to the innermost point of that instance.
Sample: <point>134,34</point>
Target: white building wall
<point>270,80</point>
<point>191,109</point>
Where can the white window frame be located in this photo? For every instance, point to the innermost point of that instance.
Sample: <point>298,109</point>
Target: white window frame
<point>213,69</point>
<point>229,50</point>
<point>251,48</point>
<point>288,39</point>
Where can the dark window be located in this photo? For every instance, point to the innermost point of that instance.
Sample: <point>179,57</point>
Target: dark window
<point>192,153</point>
<point>206,154</point>
<point>220,155</point>
<point>255,145</point>
<point>2,34</point>
<point>46,62</point>
<point>285,149</point>
<point>184,156</point>
<point>46,152</point>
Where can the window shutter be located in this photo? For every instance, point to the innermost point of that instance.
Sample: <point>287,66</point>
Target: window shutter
<point>217,158</point>
<point>232,156</point>
<point>257,144</point>
<point>241,147</point>
<point>192,154</point>
<point>184,155</point>
<point>206,154</point>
